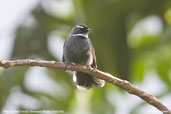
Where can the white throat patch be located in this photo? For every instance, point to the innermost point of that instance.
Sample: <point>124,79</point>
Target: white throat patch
<point>84,35</point>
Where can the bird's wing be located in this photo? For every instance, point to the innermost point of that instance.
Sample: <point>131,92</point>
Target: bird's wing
<point>63,58</point>
<point>94,65</point>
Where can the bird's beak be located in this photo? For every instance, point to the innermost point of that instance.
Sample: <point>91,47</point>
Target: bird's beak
<point>88,29</point>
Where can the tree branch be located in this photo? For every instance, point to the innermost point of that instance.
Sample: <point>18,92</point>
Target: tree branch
<point>94,72</point>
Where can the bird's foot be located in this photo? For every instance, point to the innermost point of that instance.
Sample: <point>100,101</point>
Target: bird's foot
<point>67,65</point>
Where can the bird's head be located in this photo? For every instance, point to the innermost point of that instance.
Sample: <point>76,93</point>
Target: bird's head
<point>80,29</point>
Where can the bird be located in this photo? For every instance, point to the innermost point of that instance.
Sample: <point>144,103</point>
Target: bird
<point>78,49</point>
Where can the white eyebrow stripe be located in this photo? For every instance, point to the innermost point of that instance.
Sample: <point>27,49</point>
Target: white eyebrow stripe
<point>79,26</point>
<point>86,36</point>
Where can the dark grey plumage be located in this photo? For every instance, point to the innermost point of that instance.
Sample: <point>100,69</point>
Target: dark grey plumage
<point>79,50</point>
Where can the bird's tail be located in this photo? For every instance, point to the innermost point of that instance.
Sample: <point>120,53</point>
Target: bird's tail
<point>86,81</point>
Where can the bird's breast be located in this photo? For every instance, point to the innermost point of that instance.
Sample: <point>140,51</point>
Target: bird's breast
<point>78,50</point>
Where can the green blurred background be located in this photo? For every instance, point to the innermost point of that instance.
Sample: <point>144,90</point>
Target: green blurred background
<point>132,40</point>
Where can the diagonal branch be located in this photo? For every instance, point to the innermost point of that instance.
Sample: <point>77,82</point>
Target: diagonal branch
<point>94,72</point>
